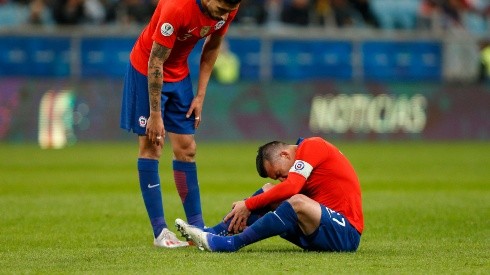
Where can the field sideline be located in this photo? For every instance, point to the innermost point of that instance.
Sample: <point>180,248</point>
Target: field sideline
<point>79,210</point>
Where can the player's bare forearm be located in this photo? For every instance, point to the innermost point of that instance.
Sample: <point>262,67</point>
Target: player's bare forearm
<point>154,126</point>
<point>209,55</point>
<point>158,56</point>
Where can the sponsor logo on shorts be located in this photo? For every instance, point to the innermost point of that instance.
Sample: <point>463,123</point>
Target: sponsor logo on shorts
<point>142,120</point>
<point>167,29</point>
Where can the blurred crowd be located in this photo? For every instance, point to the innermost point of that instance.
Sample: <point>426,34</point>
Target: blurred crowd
<point>473,15</point>
<point>75,12</point>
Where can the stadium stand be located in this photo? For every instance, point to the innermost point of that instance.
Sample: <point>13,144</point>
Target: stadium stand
<point>346,39</point>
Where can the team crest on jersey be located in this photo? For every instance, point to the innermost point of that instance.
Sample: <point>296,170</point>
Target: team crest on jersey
<point>167,29</point>
<point>142,120</point>
<point>204,30</point>
<point>219,24</point>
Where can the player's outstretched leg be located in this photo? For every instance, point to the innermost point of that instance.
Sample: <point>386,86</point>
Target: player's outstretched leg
<point>271,224</point>
<point>221,229</point>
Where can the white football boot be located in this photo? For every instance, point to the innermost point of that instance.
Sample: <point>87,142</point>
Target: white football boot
<point>168,239</point>
<point>194,234</point>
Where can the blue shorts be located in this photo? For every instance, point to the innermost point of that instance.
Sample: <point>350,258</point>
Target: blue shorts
<point>176,101</point>
<point>335,233</point>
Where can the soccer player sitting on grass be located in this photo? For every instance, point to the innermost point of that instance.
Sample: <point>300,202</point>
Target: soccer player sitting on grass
<point>317,204</point>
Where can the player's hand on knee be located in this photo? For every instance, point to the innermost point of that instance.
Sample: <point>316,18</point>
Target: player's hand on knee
<point>238,215</point>
<point>155,130</point>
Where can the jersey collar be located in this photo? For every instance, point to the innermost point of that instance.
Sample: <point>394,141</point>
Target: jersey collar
<point>198,2</point>
<point>299,140</point>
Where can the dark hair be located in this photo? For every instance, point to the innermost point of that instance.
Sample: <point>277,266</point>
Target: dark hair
<point>233,1</point>
<point>266,153</point>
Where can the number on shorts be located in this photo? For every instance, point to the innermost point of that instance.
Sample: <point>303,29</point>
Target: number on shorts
<point>339,222</point>
<point>330,212</point>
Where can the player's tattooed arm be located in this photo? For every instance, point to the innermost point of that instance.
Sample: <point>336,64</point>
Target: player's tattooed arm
<point>158,56</point>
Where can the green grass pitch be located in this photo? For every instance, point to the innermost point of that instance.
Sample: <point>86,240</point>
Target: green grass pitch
<point>79,210</point>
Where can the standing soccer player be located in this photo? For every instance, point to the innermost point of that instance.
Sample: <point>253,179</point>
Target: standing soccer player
<point>158,99</point>
<point>317,205</point>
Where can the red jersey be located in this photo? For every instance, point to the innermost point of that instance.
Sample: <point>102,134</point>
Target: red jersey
<point>177,25</point>
<point>322,173</point>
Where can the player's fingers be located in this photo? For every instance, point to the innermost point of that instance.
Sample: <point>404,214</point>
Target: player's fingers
<point>228,216</point>
<point>155,139</point>
<point>236,227</point>
<point>197,121</point>
<point>232,224</point>
<point>151,137</point>
<point>240,225</point>
<point>231,228</point>
<point>189,112</point>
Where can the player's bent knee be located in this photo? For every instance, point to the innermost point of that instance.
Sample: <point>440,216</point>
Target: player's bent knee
<point>184,156</point>
<point>150,154</point>
<point>185,151</point>
<point>149,150</point>
<point>299,202</point>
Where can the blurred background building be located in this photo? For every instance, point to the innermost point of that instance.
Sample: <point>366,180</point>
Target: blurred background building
<point>312,53</point>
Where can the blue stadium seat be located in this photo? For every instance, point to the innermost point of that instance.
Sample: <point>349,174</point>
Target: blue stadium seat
<point>395,61</point>
<point>34,56</point>
<point>105,57</point>
<point>301,60</point>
